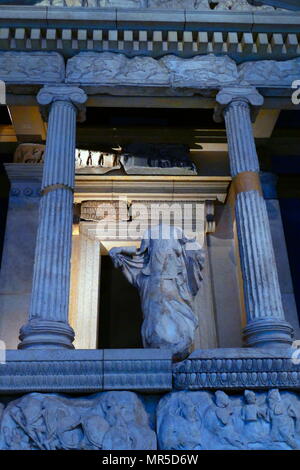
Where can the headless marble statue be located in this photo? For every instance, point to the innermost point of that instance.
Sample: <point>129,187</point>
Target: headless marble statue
<point>166,271</point>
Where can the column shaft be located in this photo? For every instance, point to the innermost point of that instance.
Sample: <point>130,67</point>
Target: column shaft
<point>266,325</point>
<point>48,314</point>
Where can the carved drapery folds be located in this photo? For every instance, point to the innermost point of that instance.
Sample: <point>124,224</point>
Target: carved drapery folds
<point>166,270</point>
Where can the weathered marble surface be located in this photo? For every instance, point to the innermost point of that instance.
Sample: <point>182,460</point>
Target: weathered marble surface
<point>108,68</point>
<point>206,421</point>
<point>272,72</point>
<point>86,370</point>
<point>179,4</point>
<point>94,3</point>
<point>167,272</point>
<point>240,5</point>
<point>202,71</point>
<point>111,68</point>
<point>238,368</point>
<point>108,421</point>
<point>263,420</point>
<point>32,67</point>
<point>202,5</point>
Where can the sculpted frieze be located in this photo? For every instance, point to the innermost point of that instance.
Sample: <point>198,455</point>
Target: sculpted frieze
<point>106,421</point>
<point>240,5</point>
<point>114,420</point>
<point>179,4</point>
<point>270,72</point>
<point>31,67</point>
<point>202,5</point>
<point>247,421</point>
<point>107,68</point>
<point>202,70</point>
<point>94,3</point>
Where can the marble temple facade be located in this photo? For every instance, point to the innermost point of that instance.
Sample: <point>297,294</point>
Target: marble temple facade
<point>238,387</point>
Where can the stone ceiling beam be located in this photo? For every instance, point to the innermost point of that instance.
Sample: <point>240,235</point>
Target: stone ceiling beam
<point>28,123</point>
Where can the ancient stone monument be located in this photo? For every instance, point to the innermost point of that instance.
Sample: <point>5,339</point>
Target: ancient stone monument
<point>113,107</point>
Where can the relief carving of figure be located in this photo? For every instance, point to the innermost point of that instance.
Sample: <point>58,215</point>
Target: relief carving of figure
<point>167,272</point>
<point>282,419</point>
<point>219,419</point>
<point>128,423</point>
<point>180,428</point>
<point>254,416</point>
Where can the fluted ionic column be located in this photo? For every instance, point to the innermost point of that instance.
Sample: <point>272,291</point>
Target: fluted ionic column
<point>266,325</point>
<point>48,325</point>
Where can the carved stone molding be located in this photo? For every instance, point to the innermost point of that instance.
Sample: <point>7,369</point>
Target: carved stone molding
<point>31,67</point>
<point>24,190</point>
<point>138,188</point>
<point>25,180</point>
<point>86,371</point>
<point>237,369</point>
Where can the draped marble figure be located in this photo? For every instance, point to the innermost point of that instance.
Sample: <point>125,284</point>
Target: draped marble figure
<point>166,270</point>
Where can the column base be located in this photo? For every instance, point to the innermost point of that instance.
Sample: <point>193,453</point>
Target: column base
<point>268,333</point>
<point>42,334</point>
